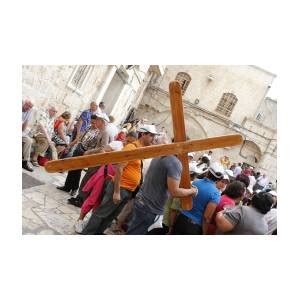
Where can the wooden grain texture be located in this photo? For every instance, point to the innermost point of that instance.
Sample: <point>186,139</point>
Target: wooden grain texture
<point>94,160</point>
<point>180,136</point>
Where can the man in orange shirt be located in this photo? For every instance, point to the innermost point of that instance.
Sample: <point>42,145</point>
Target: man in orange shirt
<point>119,191</point>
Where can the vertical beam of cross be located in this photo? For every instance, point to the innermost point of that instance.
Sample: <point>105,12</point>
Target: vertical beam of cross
<point>180,136</point>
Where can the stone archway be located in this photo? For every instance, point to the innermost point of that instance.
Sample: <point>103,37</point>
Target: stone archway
<point>251,152</point>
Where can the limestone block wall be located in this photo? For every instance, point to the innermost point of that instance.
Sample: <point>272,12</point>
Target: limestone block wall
<point>267,113</point>
<point>49,85</point>
<point>155,108</point>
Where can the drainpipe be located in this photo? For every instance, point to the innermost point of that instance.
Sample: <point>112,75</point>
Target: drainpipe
<point>263,99</point>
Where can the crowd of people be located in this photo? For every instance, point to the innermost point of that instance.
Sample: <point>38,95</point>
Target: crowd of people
<point>143,196</point>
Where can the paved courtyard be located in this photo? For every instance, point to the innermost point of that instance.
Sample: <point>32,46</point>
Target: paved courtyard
<point>44,208</point>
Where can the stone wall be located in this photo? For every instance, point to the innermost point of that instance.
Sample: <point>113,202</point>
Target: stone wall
<point>49,85</point>
<point>204,121</point>
<point>249,84</point>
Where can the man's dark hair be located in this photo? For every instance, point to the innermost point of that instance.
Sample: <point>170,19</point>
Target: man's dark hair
<point>93,117</point>
<point>66,115</point>
<point>243,178</point>
<point>133,134</point>
<point>205,160</point>
<point>235,189</point>
<point>262,202</point>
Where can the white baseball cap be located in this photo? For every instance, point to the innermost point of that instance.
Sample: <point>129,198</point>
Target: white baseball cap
<point>102,116</point>
<point>226,177</point>
<point>148,128</point>
<point>216,169</point>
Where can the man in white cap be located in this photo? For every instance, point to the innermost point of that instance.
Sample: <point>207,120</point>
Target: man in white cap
<point>197,220</point>
<point>92,141</point>
<point>122,188</point>
<point>147,129</point>
<point>161,181</point>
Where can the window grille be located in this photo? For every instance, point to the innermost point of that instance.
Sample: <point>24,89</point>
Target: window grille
<point>184,80</point>
<point>226,104</point>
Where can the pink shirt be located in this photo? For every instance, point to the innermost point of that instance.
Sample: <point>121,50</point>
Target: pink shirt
<point>224,202</point>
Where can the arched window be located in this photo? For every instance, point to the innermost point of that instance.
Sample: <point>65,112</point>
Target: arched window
<point>226,104</point>
<point>184,80</point>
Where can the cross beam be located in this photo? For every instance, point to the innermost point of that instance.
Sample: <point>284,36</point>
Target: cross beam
<point>180,147</point>
<point>87,161</point>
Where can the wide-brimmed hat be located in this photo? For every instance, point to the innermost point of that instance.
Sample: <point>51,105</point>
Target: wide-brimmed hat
<point>148,128</point>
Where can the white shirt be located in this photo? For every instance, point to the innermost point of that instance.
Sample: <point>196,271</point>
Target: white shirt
<point>271,219</point>
<point>262,181</point>
<point>112,131</point>
<point>237,171</point>
<point>252,181</point>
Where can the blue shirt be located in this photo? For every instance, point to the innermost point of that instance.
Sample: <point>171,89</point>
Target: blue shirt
<point>86,118</point>
<point>207,192</point>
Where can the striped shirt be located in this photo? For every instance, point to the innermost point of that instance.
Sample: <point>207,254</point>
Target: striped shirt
<point>89,138</point>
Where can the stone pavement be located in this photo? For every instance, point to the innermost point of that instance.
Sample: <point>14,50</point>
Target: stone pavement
<point>44,208</point>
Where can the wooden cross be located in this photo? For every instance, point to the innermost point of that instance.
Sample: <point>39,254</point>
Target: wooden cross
<point>180,147</point>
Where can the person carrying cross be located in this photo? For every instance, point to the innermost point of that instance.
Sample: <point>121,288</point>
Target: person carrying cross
<point>162,180</point>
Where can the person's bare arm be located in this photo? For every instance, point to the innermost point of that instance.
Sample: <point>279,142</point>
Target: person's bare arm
<point>222,223</point>
<point>208,213</point>
<point>176,191</point>
<point>78,128</point>
<point>117,180</point>
<point>102,142</point>
<point>61,133</point>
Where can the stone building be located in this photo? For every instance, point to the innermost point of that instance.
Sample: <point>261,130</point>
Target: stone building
<point>73,87</point>
<point>220,100</point>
